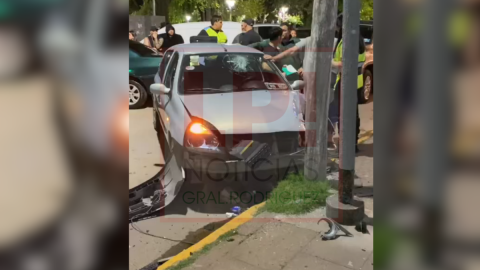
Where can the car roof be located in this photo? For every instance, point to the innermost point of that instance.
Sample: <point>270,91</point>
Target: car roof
<point>200,25</point>
<point>195,48</point>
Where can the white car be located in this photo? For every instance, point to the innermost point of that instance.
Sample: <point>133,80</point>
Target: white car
<point>210,99</point>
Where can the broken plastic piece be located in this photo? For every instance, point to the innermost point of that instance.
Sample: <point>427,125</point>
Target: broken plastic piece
<point>334,227</point>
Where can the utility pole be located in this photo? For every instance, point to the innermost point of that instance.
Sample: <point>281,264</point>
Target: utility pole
<point>348,99</point>
<point>317,78</point>
<point>343,207</point>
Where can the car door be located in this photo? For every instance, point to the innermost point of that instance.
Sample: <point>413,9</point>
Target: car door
<point>164,100</point>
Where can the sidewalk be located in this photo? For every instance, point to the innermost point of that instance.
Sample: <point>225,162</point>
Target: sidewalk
<point>272,241</point>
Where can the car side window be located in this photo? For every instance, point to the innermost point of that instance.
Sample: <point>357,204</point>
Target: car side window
<point>171,70</point>
<point>264,31</point>
<point>164,64</point>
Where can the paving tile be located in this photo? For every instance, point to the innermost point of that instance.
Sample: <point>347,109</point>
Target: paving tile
<point>305,261</point>
<point>233,264</point>
<point>219,252</point>
<point>347,251</point>
<point>256,223</point>
<point>273,246</point>
<point>368,265</point>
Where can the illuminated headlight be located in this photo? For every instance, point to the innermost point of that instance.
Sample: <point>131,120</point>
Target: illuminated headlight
<point>200,137</point>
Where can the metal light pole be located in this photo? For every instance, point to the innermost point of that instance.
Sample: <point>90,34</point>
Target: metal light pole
<point>230,4</point>
<point>154,11</point>
<point>343,207</point>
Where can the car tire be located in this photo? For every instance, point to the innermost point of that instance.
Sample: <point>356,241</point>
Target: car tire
<point>365,93</point>
<point>137,95</point>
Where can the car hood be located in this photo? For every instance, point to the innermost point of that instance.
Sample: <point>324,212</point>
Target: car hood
<point>247,112</point>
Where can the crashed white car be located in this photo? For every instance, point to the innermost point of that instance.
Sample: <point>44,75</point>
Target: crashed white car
<point>224,109</point>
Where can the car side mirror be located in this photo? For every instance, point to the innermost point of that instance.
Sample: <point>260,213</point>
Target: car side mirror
<point>159,89</point>
<point>297,85</point>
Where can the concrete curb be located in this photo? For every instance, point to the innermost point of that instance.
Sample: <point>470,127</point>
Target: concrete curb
<point>232,224</point>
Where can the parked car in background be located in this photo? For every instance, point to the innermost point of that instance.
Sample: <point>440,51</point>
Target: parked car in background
<point>366,30</point>
<point>143,66</point>
<point>303,32</point>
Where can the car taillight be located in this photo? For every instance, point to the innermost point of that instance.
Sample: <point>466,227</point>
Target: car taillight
<point>199,136</point>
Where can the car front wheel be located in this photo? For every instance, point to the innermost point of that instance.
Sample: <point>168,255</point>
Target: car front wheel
<point>137,95</point>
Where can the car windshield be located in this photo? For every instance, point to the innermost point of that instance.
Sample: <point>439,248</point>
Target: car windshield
<point>228,72</point>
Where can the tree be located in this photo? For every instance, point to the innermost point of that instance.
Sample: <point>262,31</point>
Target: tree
<point>317,78</point>
<point>201,9</point>
<point>293,20</point>
<point>132,6</point>
<point>250,9</point>
<point>146,9</point>
<point>366,10</point>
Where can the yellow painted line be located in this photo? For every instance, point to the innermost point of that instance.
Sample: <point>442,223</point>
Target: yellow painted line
<point>365,136</point>
<point>246,147</point>
<point>231,225</point>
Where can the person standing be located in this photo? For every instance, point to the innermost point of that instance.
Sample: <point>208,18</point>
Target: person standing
<point>293,35</point>
<point>270,47</point>
<point>215,30</point>
<point>170,38</point>
<point>337,62</point>
<point>249,36</point>
<point>152,40</point>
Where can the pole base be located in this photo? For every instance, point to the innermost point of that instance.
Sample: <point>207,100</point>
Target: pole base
<point>345,214</point>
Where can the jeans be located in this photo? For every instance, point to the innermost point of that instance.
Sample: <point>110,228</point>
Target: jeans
<point>334,112</point>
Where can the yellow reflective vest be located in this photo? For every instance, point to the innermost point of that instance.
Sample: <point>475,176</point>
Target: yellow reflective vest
<point>361,60</point>
<point>221,37</point>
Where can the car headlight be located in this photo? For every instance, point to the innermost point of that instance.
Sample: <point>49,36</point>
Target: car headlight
<point>200,137</point>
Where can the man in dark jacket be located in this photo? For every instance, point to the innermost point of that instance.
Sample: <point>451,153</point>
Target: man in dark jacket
<point>249,36</point>
<point>170,38</point>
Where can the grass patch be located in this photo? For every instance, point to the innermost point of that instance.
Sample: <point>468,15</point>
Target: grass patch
<point>297,195</point>
<point>185,263</point>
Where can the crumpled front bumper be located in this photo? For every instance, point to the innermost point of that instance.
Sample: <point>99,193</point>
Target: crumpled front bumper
<point>224,165</point>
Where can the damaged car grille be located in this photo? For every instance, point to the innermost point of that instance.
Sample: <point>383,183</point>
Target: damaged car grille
<point>279,143</point>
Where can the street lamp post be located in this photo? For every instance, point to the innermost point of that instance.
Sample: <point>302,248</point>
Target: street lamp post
<point>188,18</point>
<point>230,4</point>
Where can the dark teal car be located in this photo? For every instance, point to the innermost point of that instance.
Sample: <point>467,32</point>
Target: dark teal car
<point>143,66</point>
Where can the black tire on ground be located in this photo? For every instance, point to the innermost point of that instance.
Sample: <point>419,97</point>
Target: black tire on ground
<point>143,95</point>
<point>365,93</point>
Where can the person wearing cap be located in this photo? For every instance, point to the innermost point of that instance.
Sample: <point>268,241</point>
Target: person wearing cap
<point>249,36</point>
<point>152,40</point>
